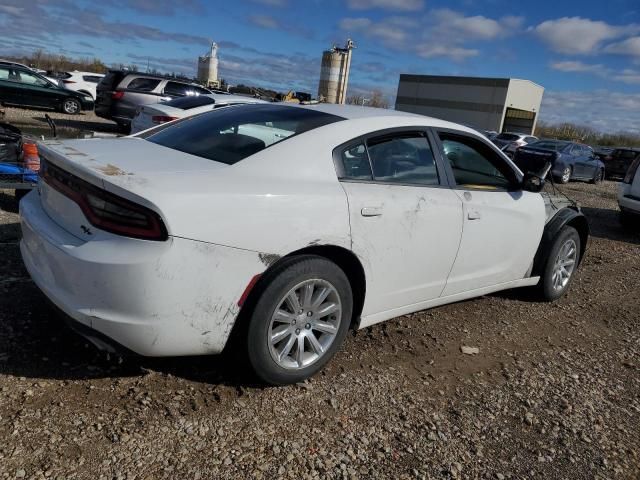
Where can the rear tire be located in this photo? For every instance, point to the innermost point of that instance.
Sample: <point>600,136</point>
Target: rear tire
<point>290,336</point>
<point>561,264</point>
<point>20,193</point>
<point>628,220</point>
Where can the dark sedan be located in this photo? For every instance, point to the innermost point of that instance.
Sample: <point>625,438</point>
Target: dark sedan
<point>619,161</point>
<point>569,160</point>
<point>21,86</point>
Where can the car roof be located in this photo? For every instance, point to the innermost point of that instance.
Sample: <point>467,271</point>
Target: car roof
<point>352,111</point>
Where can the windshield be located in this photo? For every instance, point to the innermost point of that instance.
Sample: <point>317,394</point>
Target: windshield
<point>229,135</point>
<point>187,103</point>
<point>545,144</point>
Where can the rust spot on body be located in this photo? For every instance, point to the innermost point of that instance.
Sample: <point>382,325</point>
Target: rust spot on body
<point>111,170</point>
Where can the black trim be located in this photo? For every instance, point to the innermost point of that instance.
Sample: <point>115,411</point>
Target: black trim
<point>452,80</point>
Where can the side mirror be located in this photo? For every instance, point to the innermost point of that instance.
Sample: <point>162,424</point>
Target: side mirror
<point>534,182</point>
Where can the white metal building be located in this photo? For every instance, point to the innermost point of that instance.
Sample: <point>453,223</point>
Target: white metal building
<point>499,104</point>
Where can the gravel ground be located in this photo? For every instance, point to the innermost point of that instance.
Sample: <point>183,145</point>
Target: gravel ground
<point>33,121</point>
<point>554,391</point>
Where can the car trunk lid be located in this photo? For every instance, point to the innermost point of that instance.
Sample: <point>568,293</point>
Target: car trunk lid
<point>130,168</point>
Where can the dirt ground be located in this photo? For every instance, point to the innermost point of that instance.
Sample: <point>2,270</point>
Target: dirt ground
<point>554,392</point>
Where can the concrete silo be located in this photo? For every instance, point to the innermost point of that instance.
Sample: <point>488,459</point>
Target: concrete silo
<point>208,67</point>
<point>334,74</point>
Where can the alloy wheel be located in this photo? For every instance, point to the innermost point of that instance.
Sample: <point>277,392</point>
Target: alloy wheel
<point>566,175</point>
<point>305,324</point>
<point>564,264</point>
<point>71,106</point>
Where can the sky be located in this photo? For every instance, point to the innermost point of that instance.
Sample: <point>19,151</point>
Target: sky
<point>585,53</point>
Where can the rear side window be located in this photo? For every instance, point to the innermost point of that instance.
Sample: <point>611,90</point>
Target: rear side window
<point>405,159</point>
<point>187,103</point>
<point>229,135</point>
<point>91,78</point>
<point>143,84</point>
<point>625,154</point>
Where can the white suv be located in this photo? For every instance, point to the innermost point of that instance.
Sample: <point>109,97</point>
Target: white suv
<point>84,82</point>
<point>629,194</point>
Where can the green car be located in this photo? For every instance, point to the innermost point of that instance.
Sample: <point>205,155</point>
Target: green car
<point>21,86</point>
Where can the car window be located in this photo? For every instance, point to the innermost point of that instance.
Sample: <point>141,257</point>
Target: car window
<point>476,165</point>
<point>143,84</point>
<point>355,163</point>
<point>576,150</point>
<point>31,79</point>
<point>405,158</point>
<point>229,135</point>
<point>4,73</point>
<point>511,137</point>
<point>187,103</point>
<point>183,89</point>
<point>530,139</point>
<point>625,154</point>
<point>91,78</point>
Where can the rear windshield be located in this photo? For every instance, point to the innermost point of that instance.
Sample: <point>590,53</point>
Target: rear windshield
<point>625,154</point>
<point>229,135</point>
<point>187,103</point>
<point>508,136</point>
<point>555,146</point>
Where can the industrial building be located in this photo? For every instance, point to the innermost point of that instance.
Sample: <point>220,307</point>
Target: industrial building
<point>496,104</point>
<point>208,67</point>
<point>334,74</point>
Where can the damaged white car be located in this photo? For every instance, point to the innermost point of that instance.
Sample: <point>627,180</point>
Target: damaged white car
<point>286,225</point>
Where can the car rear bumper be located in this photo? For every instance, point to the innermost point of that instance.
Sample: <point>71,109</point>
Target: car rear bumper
<point>173,298</point>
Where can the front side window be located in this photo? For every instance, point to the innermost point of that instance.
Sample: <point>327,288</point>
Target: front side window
<point>229,135</point>
<point>476,165</point>
<point>143,84</point>
<point>405,159</point>
<point>30,79</point>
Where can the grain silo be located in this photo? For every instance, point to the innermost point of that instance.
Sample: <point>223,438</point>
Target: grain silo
<point>208,67</point>
<point>334,74</point>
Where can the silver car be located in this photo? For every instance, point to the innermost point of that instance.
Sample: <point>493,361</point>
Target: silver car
<point>510,141</point>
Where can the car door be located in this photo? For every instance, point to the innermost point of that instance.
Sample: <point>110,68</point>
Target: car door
<point>590,165</point>
<point>503,224</point>
<point>37,91</point>
<point>406,223</point>
<point>578,161</point>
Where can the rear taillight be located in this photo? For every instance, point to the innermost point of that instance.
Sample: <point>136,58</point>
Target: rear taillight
<point>105,210</point>
<point>117,95</point>
<point>631,172</point>
<point>162,118</point>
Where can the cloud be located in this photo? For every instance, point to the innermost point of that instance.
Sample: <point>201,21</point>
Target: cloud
<point>399,5</point>
<point>577,35</point>
<point>577,66</point>
<point>272,3</point>
<point>158,7</point>
<point>264,21</point>
<point>630,46</point>
<point>603,110</point>
<point>441,33</point>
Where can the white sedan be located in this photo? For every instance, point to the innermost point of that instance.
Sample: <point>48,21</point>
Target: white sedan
<point>150,116</point>
<point>286,225</point>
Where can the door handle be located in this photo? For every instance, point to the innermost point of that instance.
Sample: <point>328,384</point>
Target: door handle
<point>371,211</point>
<point>474,215</point>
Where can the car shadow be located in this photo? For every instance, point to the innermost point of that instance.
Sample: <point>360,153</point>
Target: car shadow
<point>8,202</point>
<point>82,125</point>
<point>605,223</point>
<point>36,343</point>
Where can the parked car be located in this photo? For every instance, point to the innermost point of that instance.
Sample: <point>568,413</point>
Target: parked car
<point>603,153</point>
<point>83,82</point>
<point>619,161</point>
<point>21,86</point>
<point>121,94</point>
<point>286,224</point>
<point>508,142</point>
<point>629,195</point>
<point>570,161</point>
<point>181,107</point>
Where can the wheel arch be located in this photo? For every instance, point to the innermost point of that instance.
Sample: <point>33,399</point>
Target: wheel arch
<point>564,217</point>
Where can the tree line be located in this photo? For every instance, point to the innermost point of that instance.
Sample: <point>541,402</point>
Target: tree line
<point>587,135</point>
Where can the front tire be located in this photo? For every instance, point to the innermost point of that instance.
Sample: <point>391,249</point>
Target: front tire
<point>300,319</point>
<point>598,177</point>
<point>71,106</point>
<point>561,264</point>
<point>566,175</point>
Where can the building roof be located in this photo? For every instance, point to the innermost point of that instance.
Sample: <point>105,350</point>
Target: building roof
<point>462,80</point>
